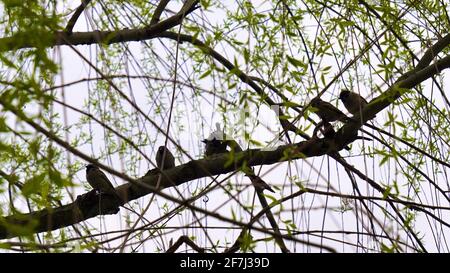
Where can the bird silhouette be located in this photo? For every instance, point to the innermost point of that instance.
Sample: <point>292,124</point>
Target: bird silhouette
<point>164,158</point>
<point>98,181</point>
<point>326,111</point>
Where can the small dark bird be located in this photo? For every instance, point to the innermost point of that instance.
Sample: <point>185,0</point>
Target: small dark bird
<point>169,160</point>
<point>353,102</point>
<point>326,111</point>
<point>215,146</point>
<point>329,132</point>
<point>259,184</point>
<point>98,181</point>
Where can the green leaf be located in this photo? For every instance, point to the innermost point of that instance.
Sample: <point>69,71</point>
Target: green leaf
<point>33,185</point>
<point>205,74</point>
<point>295,62</point>
<point>386,249</point>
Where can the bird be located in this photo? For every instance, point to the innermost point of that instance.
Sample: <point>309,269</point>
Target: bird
<point>329,132</point>
<point>98,181</point>
<point>353,102</point>
<point>326,111</point>
<point>169,160</point>
<point>216,142</point>
<point>259,184</point>
<point>215,146</point>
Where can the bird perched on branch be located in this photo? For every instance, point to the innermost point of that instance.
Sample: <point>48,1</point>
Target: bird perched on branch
<point>216,143</point>
<point>353,102</point>
<point>326,111</point>
<point>329,132</point>
<point>98,181</point>
<point>164,158</point>
<point>215,146</point>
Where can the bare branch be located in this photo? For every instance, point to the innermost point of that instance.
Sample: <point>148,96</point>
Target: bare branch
<point>73,20</point>
<point>262,199</point>
<point>158,11</point>
<point>19,40</point>
<point>186,240</point>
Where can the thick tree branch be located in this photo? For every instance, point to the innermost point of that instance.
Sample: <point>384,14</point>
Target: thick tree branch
<point>433,51</point>
<point>20,40</point>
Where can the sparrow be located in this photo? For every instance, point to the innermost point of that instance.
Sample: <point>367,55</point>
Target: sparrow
<point>329,132</point>
<point>169,160</point>
<point>98,181</point>
<point>353,102</point>
<point>259,184</point>
<point>326,111</point>
<point>215,146</point>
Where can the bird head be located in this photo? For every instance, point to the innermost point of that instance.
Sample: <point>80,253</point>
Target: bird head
<point>344,94</point>
<point>315,104</point>
<point>161,150</point>
<point>315,101</point>
<point>90,167</point>
<point>213,140</point>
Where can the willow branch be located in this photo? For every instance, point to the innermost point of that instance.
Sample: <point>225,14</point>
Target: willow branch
<point>20,40</point>
<point>158,11</point>
<point>73,20</point>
